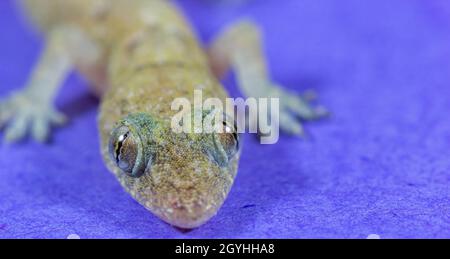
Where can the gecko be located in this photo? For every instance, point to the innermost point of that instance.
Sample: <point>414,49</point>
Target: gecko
<point>138,55</point>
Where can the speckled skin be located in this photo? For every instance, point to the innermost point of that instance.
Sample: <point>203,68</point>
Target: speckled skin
<point>146,56</point>
<point>140,56</point>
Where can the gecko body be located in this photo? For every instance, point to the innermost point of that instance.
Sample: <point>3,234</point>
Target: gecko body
<point>139,55</point>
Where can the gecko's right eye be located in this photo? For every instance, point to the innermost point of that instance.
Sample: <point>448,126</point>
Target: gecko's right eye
<point>125,150</point>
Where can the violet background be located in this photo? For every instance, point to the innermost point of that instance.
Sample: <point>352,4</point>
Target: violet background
<point>380,165</point>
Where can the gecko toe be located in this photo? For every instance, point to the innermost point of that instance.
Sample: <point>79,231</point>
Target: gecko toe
<point>290,125</point>
<point>21,116</point>
<point>17,130</point>
<point>58,118</point>
<point>301,107</point>
<point>5,116</point>
<point>40,130</point>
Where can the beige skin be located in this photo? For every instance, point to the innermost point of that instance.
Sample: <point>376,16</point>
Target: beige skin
<point>139,55</point>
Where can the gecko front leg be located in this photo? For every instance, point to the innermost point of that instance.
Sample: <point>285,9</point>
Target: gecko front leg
<point>240,47</point>
<point>31,109</point>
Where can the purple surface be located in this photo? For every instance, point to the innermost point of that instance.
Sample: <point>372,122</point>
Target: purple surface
<point>380,165</point>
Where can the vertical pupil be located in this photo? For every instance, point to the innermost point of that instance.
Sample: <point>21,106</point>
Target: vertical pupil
<point>119,146</point>
<point>233,130</point>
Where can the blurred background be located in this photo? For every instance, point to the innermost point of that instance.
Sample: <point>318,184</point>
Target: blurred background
<point>380,165</point>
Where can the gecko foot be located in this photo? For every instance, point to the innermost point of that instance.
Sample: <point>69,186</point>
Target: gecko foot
<point>294,108</point>
<point>23,114</point>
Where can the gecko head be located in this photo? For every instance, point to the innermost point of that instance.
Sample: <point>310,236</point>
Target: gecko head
<point>183,178</point>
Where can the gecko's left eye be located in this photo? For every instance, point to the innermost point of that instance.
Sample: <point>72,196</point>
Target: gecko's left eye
<point>226,143</point>
<point>229,139</point>
<point>125,150</point>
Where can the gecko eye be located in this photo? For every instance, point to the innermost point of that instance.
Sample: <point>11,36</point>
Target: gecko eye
<point>229,139</point>
<point>226,144</point>
<point>125,150</point>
